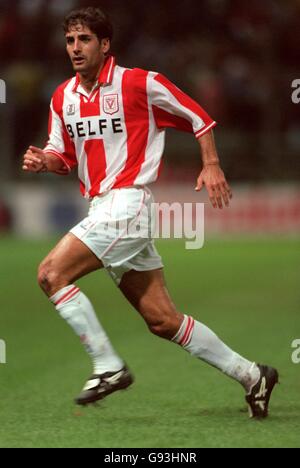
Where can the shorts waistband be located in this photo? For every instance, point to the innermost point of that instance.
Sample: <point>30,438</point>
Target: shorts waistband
<point>105,194</point>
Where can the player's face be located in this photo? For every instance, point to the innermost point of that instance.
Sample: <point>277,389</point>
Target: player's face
<point>85,50</point>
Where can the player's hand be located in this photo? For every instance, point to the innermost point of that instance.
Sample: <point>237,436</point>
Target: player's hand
<point>34,160</point>
<point>216,185</point>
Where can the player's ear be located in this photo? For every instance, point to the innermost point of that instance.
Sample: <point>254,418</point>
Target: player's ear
<point>105,45</point>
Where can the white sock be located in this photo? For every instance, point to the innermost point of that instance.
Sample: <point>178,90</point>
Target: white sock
<point>77,310</point>
<point>203,343</point>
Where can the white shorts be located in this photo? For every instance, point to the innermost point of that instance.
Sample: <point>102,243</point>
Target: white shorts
<point>118,231</point>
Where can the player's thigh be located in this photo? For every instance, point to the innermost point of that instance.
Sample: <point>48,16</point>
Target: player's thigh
<point>70,259</point>
<point>147,292</point>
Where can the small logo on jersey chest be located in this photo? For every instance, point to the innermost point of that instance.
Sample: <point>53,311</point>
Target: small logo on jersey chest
<point>71,109</point>
<point>111,103</point>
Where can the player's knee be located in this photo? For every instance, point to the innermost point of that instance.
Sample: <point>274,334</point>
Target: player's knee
<point>47,278</point>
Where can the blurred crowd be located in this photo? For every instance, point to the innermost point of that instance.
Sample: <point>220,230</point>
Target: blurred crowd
<point>236,58</point>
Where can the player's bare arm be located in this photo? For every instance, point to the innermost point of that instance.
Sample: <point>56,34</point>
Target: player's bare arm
<point>37,160</point>
<point>212,175</point>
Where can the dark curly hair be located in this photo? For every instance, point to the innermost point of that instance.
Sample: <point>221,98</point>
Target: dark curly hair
<point>94,18</point>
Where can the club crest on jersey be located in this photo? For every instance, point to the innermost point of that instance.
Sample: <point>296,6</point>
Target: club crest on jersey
<point>110,103</point>
<point>71,109</point>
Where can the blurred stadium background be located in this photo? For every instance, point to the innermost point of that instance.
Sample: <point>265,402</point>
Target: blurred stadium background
<point>238,60</point>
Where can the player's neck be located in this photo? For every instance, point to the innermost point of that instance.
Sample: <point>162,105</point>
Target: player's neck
<point>89,79</point>
<point>87,82</point>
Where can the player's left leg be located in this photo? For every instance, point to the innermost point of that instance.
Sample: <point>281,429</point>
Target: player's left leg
<point>147,292</point>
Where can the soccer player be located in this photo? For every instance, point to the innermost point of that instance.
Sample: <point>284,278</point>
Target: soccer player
<point>109,122</point>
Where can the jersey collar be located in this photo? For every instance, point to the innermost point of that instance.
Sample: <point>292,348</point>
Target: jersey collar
<point>106,74</point>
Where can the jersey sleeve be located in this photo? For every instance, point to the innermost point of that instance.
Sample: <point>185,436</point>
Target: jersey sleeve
<point>173,108</point>
<point>59,142</point>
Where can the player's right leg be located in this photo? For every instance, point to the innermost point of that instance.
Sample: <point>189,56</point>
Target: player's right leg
<point>103,238</point>
<point>68,261</point>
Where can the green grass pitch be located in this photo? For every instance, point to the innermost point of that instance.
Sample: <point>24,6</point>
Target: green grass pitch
<point>246,291</point>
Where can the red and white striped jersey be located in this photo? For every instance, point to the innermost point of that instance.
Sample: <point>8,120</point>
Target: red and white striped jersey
<point>115,134</point>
